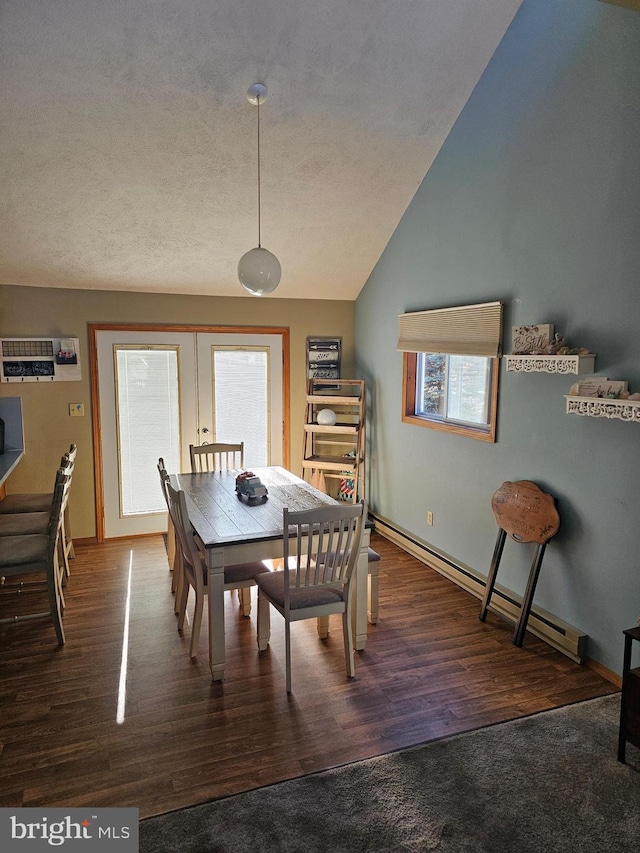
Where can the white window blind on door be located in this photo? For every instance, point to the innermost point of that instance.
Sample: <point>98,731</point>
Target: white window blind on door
<point>148,419</point>
<point>241,400</point>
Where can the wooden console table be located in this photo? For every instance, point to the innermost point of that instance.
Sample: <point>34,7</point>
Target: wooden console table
<point>630,700</point>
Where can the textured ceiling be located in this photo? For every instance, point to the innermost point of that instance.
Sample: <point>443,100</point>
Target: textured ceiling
<point>128,147</point>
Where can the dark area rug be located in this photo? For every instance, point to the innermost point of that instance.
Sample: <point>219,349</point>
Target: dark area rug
<point>546,783</point>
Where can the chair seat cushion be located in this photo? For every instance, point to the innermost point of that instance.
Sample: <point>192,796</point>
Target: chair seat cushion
<point>244,572</point>
<point>26,503</point>
<point>22,552</point>
<point>300,597</point>
<point>23,523</point>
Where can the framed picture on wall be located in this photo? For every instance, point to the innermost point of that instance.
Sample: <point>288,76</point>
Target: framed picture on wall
<point>323,358</point>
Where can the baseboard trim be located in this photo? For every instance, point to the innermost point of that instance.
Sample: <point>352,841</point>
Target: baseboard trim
<point>601,670</point>
<point>505,603</point>
<point>87,540</point>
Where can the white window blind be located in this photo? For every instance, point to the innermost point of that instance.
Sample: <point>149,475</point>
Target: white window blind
<point>241,400</point>
<point>148,418</point>
<point>465,330</point>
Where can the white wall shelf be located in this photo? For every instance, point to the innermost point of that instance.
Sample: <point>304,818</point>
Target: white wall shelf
<point>563,364</point>
<point>602,407</point>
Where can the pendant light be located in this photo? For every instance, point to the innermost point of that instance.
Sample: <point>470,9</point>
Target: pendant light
<point>259,270</point>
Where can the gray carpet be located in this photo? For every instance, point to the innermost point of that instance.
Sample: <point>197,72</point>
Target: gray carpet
<point>545,783</point>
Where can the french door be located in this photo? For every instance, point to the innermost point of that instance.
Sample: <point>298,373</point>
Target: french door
<point>161,391</point>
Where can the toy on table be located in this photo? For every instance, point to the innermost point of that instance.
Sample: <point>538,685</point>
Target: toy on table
<point>250,487</point>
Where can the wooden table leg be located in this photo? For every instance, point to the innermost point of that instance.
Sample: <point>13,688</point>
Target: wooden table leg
<point>264,622</point>
<point>215,558</point>
<point>360,598</point>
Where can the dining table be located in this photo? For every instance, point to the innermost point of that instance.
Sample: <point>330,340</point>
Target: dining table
<point>234,530</point>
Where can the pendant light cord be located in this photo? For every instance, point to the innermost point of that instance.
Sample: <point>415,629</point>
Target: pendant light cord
<point>259,244</point>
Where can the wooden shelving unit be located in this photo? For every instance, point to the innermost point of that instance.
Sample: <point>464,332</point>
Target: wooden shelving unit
<point>336,451</point>
<point>579,364</point>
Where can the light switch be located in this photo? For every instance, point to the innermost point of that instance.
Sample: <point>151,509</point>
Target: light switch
<point>76,410</point>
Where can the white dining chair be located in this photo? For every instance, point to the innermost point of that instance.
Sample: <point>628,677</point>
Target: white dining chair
<point>195,574</point>
<point>218,456</point>
<point>321,549</point>
<point>37,554</point>
<point>19,503</point>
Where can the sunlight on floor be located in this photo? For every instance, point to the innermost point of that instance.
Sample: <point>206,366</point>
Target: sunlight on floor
<point>122,686</point>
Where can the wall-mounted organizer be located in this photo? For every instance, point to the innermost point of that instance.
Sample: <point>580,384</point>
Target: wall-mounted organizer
<point>599,407</point>
<point>40,360</point>
<point>563,364</point>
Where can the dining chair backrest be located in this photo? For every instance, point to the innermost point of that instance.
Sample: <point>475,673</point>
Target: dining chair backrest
<point>219,456</point>
<point>71,455</point>
<point>322,546</point>
<point>54,570</point>
<point>37,554</point>
<point>64,476</point>
<point>164,479</point>
<point>60,496</point>
<point>192,563</point>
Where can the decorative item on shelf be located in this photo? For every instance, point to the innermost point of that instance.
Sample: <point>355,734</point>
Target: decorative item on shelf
<point>600,386</point>
<point>347,487</point>
<point>536,349</point>
<point>603,398</point>
<point>528,339</point>
<point>259,270</point>
<point>326,417</point>
<point>541,340</point>
<point>323,358</point>
<point>558,346</point>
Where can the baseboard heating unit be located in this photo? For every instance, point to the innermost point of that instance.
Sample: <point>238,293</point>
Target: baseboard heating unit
<point>563,637</point>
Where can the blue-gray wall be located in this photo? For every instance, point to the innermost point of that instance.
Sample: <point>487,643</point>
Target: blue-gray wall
<point>534,199</point>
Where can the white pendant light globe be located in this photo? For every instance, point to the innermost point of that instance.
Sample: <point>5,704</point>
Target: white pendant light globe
<point>259,271</point>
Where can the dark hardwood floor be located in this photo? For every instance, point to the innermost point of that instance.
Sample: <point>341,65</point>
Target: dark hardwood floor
<point>430,669</point>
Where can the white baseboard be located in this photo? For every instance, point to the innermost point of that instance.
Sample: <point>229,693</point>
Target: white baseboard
<point>567,639</point>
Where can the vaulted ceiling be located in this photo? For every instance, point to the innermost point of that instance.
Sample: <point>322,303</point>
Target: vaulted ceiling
<point>128,146</point>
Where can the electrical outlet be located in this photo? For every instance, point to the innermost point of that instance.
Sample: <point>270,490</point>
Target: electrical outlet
<point>429,517</point>
<point>76,410</point>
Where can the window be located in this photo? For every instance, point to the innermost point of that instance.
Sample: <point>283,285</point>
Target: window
<point>457,393</point>
<point>241,397</point>
<point>148,417</point>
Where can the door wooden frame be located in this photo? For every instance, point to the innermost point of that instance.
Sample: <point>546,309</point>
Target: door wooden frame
<point>94,328</point>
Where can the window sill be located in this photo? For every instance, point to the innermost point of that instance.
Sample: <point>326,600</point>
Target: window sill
<point>456,429</point>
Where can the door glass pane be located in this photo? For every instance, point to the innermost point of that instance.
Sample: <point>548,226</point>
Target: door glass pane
<point>148,419</point>
<point>241,400</point>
